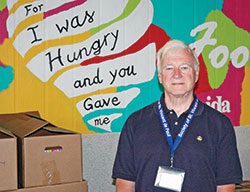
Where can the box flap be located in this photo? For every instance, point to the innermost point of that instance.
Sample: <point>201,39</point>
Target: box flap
<point>22,128</point>
<point>24,115</point>
<point>7,132</point>
<point>33,114</point>
<point>24,124</point>
<point>58,130</point>
<point>9,117</point>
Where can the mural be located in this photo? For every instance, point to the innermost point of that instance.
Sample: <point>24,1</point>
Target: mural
<point>86,65</point>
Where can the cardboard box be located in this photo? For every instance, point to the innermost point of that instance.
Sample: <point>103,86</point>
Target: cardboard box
<point>8,160</point>
<point>47,154</point>
<point>244,186</point>
<point>68,187</point>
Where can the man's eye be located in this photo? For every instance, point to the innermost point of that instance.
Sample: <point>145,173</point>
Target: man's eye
<point>169,68</point>
<point>185,67</point>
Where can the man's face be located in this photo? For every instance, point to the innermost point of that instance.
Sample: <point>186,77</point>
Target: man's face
<point>178,75</point>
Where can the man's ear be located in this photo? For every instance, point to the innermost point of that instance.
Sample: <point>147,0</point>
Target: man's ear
<point>197,74</point>
<point>159,76</point>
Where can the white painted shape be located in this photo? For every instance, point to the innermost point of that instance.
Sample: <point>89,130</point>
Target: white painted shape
<point>206,38</point>
<point>10,3</point>
<point>143,63</point>
<point>130,30</point>
<point>48,30</point>
<point>242,50</point>
<point>87,105</point>
<point>106,127</point>
<point>20,14</point>
<point>217,52</point>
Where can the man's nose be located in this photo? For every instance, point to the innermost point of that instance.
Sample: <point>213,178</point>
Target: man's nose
<point>177,73</point>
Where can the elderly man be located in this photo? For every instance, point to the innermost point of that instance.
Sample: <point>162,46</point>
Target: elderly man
<point>177,143</point>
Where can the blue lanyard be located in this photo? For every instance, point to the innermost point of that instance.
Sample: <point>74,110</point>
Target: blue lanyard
<point>182,131</point>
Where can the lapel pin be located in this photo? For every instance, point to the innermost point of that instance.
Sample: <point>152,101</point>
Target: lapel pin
<point>199,138</point>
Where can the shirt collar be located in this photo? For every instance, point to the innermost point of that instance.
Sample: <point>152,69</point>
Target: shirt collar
<point>197,113</point>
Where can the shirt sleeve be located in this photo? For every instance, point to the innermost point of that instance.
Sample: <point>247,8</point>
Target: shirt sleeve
<point>124,167</point>
<point>228,168</point>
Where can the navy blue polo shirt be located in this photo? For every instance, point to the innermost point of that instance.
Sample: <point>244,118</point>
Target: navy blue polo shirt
<point>207,153</point>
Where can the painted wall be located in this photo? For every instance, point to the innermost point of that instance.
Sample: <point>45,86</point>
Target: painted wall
<point>86,65</point>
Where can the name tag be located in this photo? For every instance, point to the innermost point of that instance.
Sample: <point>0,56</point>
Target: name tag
<point>170,178</point>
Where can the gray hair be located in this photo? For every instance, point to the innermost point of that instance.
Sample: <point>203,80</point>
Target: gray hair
<point>175,44</point>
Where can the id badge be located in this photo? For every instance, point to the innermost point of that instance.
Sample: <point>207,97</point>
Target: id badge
<point>170,178</point>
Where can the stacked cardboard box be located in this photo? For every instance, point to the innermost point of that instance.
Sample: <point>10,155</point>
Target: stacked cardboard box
<point>8,160</point>
<point>244,187</point>
<point>66,187</point>
<point>49,158</point>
